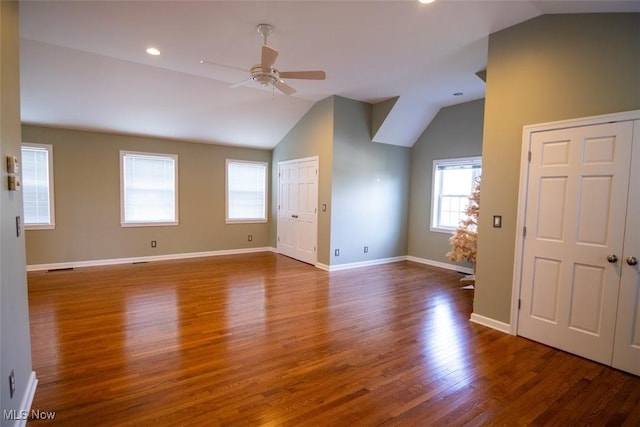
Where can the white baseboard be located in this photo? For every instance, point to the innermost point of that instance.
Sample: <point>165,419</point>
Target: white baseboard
<point>454,267</point>
<point>321,266</point>
<point>25,403</point>
<point>491,323</point>
<point>351,265</point>
<point>169,257</point>
<point>115,261</point>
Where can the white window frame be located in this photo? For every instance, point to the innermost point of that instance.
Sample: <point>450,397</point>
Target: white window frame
<point>437,186</point>
<point>264,217</point>
<point>52,212</point>
<point>163,156</point>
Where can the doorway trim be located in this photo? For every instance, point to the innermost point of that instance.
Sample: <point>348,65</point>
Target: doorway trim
<point>523,190</point>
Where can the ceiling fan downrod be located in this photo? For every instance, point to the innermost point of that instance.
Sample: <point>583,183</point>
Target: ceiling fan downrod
<point>265,30</point>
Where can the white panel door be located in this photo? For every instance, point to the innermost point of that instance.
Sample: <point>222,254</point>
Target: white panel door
<point>626,353</point>
<point>298,209</point>
<point>287,202</point>
<point>575,218</point>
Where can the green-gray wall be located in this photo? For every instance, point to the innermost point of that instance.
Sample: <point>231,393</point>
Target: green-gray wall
<point>550,68</point>
<point>87,200</point>
<point>456,131</point>
<point>370,189</point>
<point>15,344</point>
<point>312,136</point>
<point>363,184</point>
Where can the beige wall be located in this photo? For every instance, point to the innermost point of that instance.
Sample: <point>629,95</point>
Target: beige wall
<point>15,344</point>
<point>87,200</point>
<point>456,131</point>
<point>550,68</point>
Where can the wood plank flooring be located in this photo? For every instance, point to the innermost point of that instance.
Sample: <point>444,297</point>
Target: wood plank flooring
<point>263,340</point>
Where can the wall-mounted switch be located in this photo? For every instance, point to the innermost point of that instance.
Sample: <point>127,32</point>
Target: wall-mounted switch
<point>13,164</point>
<point>324,207</point>
<point>250,238</point>
<point>154,244</point>
<point>366,249</point>
<point>337,252</point>
<point>14,183</point>
<point>497,221</point>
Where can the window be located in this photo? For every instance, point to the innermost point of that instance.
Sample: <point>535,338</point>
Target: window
<point>37,186</point>
<point>149,189</point>
<point>453,181</point>
<point>246,191</point>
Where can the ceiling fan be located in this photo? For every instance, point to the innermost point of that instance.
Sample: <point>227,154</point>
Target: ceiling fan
<point>265,73</point>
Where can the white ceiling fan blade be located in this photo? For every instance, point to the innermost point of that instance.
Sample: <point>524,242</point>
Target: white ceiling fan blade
<point>206,62</point>
<point>284,88</point>
<point>308,75</point>
<point>242,83</point>
<point>269,56</point>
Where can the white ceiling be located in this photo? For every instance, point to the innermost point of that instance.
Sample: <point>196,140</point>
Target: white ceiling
<point>84,66</point>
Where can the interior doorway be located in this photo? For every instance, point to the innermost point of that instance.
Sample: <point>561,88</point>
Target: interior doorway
<point>298,209</point>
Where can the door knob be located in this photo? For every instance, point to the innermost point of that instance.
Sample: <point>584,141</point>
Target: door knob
<point>612,258</point>
<point>631,260</point>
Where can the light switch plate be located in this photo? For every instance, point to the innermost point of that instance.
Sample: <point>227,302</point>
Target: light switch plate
<point>13,164</point>
<point>14,183</point>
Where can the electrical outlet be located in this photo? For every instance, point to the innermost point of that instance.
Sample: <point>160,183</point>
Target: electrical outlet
<point>12,384</point>
<point>250,238</point>
<point>154,244</point>
<point>366,249</point>
<point>337,252</point>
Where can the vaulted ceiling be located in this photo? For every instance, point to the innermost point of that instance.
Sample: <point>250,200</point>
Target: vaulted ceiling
<point>84,65</point>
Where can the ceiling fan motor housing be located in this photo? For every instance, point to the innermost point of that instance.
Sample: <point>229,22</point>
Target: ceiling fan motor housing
<point>264,76</point>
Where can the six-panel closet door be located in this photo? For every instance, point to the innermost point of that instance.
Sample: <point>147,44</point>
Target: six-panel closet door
<point>579,285</point>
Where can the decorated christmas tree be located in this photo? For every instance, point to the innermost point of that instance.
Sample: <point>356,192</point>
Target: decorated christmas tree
<point>464,242</point>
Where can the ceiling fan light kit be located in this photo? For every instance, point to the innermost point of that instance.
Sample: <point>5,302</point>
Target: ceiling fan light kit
<point>258,75</point>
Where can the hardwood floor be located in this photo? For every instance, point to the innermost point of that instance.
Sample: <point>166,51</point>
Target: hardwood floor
<point>263,340</point>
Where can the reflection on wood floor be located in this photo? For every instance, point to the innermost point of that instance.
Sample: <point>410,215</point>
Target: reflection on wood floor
<point>263,340</point>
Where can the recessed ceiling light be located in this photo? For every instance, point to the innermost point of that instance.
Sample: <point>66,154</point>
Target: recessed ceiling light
<point>426,1</point>
<point>153,51</point>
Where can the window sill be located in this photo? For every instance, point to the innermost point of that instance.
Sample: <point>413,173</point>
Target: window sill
<point>148,224</point>
<point>29,227</point>
<point>246,221</point>
<point>443,230</point>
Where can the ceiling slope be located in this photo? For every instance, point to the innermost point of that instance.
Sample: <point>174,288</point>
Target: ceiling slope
<point>84,66</point>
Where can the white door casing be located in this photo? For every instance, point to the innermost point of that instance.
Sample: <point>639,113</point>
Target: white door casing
<point>579,202</point>
<point>297,209</point>
<point>626,354</point>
